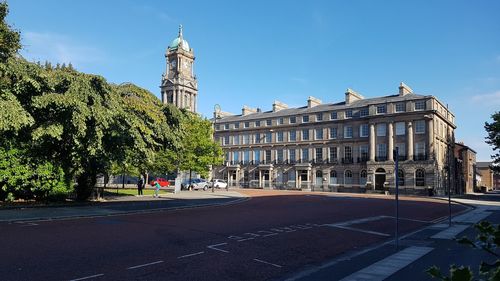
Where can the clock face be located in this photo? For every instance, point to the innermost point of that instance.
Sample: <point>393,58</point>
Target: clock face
<point>186,64</point>
<point>173,63</point>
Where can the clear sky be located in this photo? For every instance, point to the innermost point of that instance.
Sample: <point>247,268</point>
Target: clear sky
<point>254,52</point>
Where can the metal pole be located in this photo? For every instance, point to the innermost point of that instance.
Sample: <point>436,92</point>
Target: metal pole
<point>396,169</point>
<point>449,190</point>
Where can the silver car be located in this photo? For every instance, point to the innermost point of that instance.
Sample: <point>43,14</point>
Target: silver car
<point>198,184</point>
<point>218,183</point>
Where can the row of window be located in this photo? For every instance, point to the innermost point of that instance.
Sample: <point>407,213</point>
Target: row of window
<point>292,135</point>
<point>332,153</point>
<point>349,113</point>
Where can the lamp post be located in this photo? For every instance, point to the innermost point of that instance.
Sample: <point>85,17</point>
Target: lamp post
<point>216,116</point>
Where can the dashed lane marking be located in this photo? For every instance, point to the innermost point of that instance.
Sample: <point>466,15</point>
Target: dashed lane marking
<point>269,263</point>
<point>190,255</point>
<point>87,277</point>
<point>361,230</point>
<point>214,247</point>
<point>143,265</point>
<point>450,232</point>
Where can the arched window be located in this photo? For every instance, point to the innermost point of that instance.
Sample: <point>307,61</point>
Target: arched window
<point>420,177</point>
<point>362,178</point>
<point>401,177</point>
<point>333,177</point>
<point>347,177</point>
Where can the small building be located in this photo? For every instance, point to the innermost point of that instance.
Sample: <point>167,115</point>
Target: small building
<point>486,173</point>
<point>465,161</point>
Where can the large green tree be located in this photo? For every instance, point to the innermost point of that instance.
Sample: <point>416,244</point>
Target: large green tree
<point>493,138</point>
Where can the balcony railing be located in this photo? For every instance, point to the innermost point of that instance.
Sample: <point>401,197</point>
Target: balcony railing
<point>347,160</point>
<point>380,158</point>
<point>332,161</point>
<point>402,157</point>
<point>363,159</point>
<point>420,157</point>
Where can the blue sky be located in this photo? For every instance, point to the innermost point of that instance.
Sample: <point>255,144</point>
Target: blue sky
<point>254,52</point>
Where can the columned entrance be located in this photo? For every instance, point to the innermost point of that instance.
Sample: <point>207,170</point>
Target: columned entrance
<point>379,179</point>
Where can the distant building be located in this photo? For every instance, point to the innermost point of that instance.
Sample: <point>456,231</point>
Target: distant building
<point>465,161</point>
<point>341,146</point>
<point>486,173</point>
<point>179,85</point>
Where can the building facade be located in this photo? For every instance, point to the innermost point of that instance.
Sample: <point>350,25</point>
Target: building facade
<point>344,146</point>
<point>465,161</point>
<point>179,85</point>
<point>487,179</point>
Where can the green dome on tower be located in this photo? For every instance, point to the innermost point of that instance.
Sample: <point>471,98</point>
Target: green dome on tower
<point>179,41</point>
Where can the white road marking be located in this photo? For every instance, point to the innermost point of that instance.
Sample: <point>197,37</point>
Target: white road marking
<point>390,265</point>
<point>213,247</point>
<point>273,264</point>
<point>252,234</point>
<point>361,230</point>
<point>190,255</point>
<point>450,232</point>
<point>268,233</point>
<point>87,277</point>
<point>143,265</point>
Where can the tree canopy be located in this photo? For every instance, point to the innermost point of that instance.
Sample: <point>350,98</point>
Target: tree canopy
<point>493,138</point>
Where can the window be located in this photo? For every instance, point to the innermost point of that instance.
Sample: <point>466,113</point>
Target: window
<point>257,123</point>
<point>364,130</point>
<point>226,140</point>
<point>268,137</point>
<point>305,154</point>
<point>333,133</point>
<point>381,129</point>
<point>256,156</point>
<point>236,157</point>
<point>293,135</point>
<point>400,128</point>
<point>281,121</point>
<point>246,157</point>
<point>279,136</point>
<point>401,150</point>
<point>333,154</point>
<point>293,120</point>
<point>363,112</point>
<point>246,139</point>
<point>363,152</point>
<point>420,177</point>
<point>319,117</point>
<point>382,151</point>
<point>269,122</point>
<point>319,154</point>
<point>257,138</point>
<point>348,132</point>
<point>420,105</point>
<point>246,124</point>
<point>381,109</point>
<point>305,134</point>
<point>268,156</point>
<point>236,125</point>
<point>279,155</point>
<point>401,177</point>
<point>292,155</point>
<point>362,177</point>
<point>400,107</point>
<point>333,177</point>
<point>347,177</point>
<point>420,127</point>
<point>420,150</point>
<point>319,134</point>
<point>226,126</point>
<point>333,115</point>
<point>217,127</point>
<point>348,113</point>
<point>348,153</point>
<point>236,140</point>
<point>305,119</point>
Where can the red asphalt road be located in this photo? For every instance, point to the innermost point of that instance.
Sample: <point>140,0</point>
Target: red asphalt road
<point>274,234</point>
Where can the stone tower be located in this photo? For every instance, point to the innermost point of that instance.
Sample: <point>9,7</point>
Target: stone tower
<point>178,83</point>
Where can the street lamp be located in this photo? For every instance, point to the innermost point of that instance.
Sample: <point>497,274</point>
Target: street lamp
<point>217,111</point>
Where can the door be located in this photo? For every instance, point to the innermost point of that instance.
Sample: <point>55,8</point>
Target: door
<point>379,179</point>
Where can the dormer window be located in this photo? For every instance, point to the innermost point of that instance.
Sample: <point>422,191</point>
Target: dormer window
<point>381,109</point>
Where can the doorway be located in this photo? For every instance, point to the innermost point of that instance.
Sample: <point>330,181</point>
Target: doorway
<point>379,179</point>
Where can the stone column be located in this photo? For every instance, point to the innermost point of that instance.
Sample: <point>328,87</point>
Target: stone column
<point>372,142</point>
<point>260,178</point>
<point>430,126</point>
<point>410,141</point>
<point>391,142</point>
<point>296,178</point>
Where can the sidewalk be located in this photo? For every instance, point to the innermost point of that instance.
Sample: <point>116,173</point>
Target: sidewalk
<point>418,251</point>
<point>115,205</point>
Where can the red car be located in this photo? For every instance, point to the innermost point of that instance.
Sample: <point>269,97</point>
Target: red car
<point>163,182</point>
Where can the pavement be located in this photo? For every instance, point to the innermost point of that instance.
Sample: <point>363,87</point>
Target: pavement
<point>119,205</point>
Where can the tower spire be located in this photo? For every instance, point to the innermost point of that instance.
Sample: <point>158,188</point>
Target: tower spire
<point>180,31</point>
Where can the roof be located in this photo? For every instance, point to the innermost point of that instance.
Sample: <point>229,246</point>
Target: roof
<point>322,107</point>
<point>483,164</point>
<point>179,41</point>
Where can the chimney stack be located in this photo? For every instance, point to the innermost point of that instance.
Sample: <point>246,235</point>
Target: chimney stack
<point>351,96</point>
<point>312,102</point>
<point>404,89</point>
<point>277,105</point>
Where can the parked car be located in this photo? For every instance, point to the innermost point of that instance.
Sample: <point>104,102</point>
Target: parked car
<point>218,183</point>
<point>195,184</point>
<point>163,182</point>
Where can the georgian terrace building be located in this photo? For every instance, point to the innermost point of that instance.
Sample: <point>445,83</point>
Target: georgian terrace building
<point>340,146</point>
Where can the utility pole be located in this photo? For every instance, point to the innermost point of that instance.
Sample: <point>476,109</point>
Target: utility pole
<point>396,169</point>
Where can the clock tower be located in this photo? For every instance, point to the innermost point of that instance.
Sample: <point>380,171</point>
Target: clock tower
<point>178,84</point>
